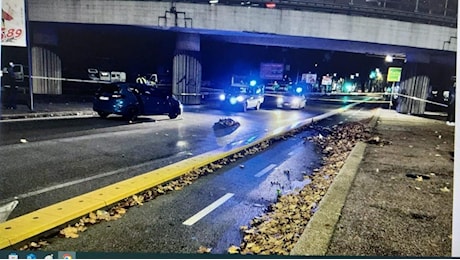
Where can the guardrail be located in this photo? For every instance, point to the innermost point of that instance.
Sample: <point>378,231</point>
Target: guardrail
<point>418,12</point>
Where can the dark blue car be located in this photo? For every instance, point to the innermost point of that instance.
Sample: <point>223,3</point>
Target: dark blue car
<point>131,100</point>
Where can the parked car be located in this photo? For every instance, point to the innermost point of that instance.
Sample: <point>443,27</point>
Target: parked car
<point>243,97</point>
<point>131,100</point>
<point>291,101</point>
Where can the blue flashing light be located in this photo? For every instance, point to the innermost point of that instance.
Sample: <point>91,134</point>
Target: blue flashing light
<point>233,100</point>
<point>252,83</point>
<point>348,87</point>
<point>222,97</point>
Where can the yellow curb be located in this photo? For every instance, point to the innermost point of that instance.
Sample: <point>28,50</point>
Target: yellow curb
<point>39,221</point>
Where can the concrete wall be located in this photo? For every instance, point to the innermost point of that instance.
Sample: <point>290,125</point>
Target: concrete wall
<point>235,18</point>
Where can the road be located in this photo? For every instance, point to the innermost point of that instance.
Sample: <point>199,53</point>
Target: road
<point>64,158</point>
<point>169,224</point>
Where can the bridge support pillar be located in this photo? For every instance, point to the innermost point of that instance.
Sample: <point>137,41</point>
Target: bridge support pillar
<point>187,69</point>
<point>46,64</point>
<point>414,83</point>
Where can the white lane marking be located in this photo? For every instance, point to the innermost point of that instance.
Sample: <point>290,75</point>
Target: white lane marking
<point>6,210</point>
<point>70,183</point>
<point>192,220</point>
<point>265,170</point>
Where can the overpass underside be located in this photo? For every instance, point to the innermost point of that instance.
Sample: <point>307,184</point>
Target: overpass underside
<point>193,23</point>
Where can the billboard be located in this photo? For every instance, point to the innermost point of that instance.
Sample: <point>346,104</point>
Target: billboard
<point>327,80</point>
<point>271,71</point>
<point>309,78</point>
<point>13,23</point>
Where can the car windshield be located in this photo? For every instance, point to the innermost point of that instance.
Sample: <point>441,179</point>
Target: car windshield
<point>237,90</point>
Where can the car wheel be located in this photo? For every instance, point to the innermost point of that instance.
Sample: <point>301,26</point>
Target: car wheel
<point>103,114</point>
<point>172,115</point>
<point>132,114</point>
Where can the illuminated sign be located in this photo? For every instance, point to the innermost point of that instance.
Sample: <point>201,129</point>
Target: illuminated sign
<point>394,74</point>
<point>309,78</point>
<point>327,80</point>
<point>273,71</point>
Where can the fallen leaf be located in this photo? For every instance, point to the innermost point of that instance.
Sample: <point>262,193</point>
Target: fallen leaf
<point>204,250</point>
<point>419,178</point>
<point>233,250</point>
<point>445,189</point>
<point>138,199</point>
<point>69,232</point>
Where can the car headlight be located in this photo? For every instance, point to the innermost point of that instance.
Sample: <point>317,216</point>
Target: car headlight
<point>279,100</point>
<point>240,99</point>
<point>233,100</point>
<point>222,97</point>
<point>295,101</point>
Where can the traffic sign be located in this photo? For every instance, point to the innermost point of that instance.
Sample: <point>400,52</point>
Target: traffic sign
<point>394,74</point>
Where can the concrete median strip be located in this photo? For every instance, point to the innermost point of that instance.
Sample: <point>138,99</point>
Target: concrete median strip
<point>32,224</point>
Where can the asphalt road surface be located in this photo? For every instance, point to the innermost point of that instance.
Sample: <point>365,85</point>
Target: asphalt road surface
<point>47,161</point>
<point>230,197</point>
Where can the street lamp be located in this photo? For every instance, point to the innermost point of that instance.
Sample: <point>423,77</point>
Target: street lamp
<point>388,58</point>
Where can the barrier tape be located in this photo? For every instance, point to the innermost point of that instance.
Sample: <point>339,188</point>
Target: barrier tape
<point>72,80</point>
<point>275,94</point>
<point>373,101</point>
<point>423,100</point>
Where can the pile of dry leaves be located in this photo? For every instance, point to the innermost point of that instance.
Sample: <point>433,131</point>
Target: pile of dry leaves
<point>277,231</point>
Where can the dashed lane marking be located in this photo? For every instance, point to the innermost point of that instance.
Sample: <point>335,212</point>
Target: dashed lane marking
<point>265,170</point>
<point>195,218</point>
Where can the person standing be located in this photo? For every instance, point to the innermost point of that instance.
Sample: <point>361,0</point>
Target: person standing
<point>141,79</point>
<point>9,84</point>
<point>451,106</point>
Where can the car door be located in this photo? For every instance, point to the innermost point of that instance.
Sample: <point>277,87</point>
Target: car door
<point>250,98</point>
<point>147,101</point>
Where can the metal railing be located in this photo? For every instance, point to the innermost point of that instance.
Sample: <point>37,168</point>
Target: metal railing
<point>437,12</point>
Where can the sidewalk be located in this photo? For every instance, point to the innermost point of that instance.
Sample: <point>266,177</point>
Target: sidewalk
<point>47,108</point>
<point>399,200</point>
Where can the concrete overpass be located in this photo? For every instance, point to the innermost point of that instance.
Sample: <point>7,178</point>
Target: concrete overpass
<point>416,42</point>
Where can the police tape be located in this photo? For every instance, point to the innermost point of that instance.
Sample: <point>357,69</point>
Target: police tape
<point>382,94</point>
<point>71,80</point>
<point>420,99</point>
